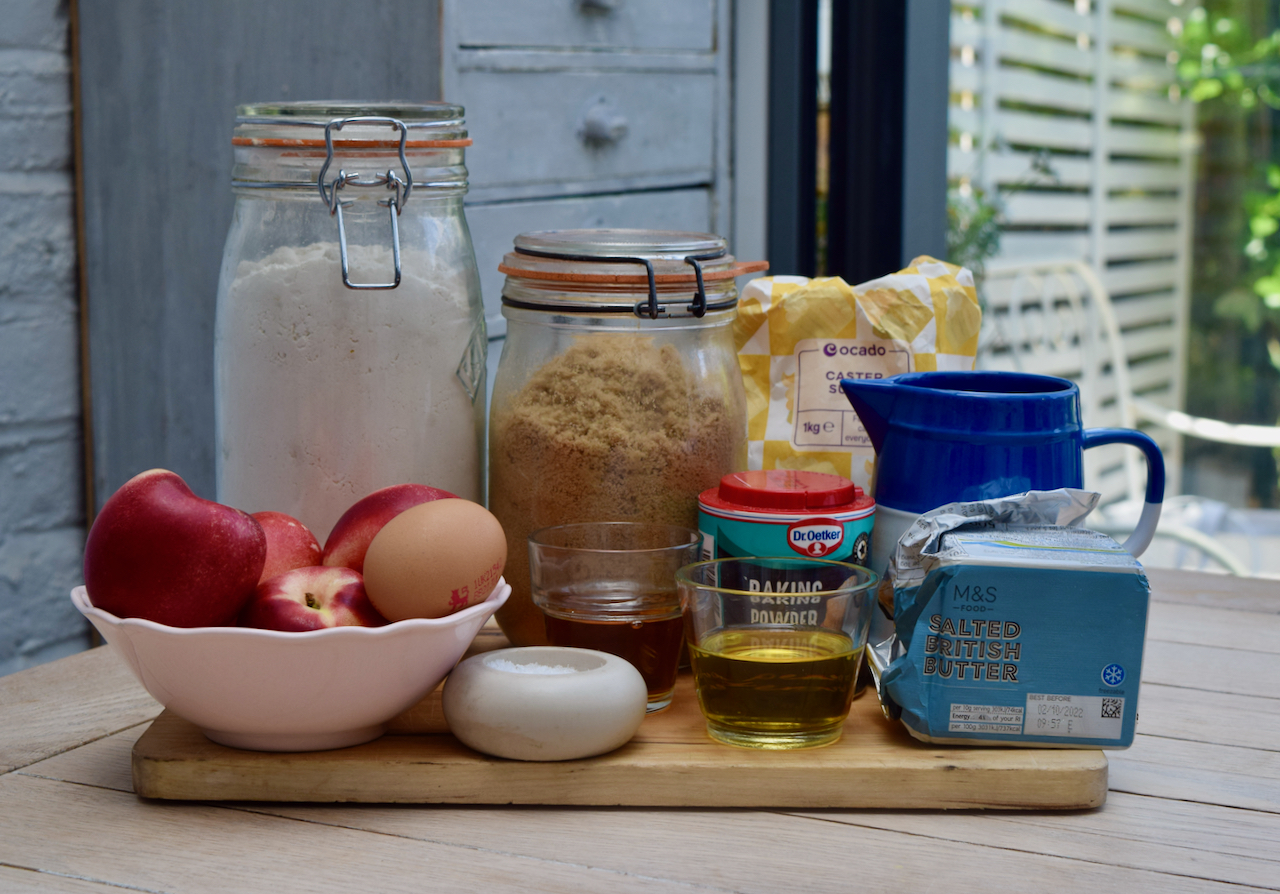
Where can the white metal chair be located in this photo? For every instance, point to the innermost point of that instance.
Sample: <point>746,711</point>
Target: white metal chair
<point>1056,318</point>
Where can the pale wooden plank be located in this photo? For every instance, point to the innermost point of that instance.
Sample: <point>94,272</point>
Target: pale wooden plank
<point>1153,174</point>
<point>812,851</point>
<point>670,762</point>
<point>1032,246</point>
<point>1150,340</point>
<point>1012,166</point>
<point>1044,52</point>
<point>961,76</point>
<point>1144,310</point>
<point>26,881</point>
<point>1152,374</point>
<point>1146,37</point>
<point>1209,773</point>
<point>103,763</point>
<point>1181,839</point>
<point>1156,10</point>
<point>1141,72</point>
<point>1172,712</point>
<point>965,32</point>
<point>1044,130</point>
<point>1142,277</point>
<point>1223,832</point>
<point>62,704</point>
<point>1141,210</point>
<point>968,120</point>
<point>1203,626</point>
<point>1151,378</point>
<point>1147,242</point>
<point>1138,105</point>
<point>1023,209</point>
<point>1219,591</point>
<point>1212,669</point>
<point>1051,16</point>
<point>118,839</point>
<point>1047,363</point>
<point>1041,89</point>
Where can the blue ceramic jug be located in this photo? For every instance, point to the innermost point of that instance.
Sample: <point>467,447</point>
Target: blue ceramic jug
<point>942,437</point>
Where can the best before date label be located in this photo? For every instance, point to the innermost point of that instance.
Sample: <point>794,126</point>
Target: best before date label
<point>1075,716</point>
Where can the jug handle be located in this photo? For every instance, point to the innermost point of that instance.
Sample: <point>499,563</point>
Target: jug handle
<point>1140,539</point>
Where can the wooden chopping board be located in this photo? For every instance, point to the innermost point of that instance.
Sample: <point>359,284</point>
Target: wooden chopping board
<point>670,762</point>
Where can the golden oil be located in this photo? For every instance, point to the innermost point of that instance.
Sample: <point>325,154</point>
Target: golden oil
<point>775,687</point>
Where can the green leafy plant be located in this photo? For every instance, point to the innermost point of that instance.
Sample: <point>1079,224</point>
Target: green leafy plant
<point>1219,60</point>
<point>973,227</point>
<point>1234,75</point>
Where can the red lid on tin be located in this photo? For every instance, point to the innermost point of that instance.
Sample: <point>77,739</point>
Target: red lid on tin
<point>788,489</point>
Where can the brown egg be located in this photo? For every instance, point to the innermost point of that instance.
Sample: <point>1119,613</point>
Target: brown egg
<point>434,559</point>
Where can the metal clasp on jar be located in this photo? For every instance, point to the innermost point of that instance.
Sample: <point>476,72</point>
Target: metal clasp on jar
<point>395,203</point>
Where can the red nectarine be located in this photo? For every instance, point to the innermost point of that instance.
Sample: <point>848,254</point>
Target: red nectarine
<point>311,599</point>
<point>290,544</point>
<point>349,540</point>
<point>158,551</point>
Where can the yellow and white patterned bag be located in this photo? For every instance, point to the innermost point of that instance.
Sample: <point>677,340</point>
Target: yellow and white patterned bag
<point>797,338</point>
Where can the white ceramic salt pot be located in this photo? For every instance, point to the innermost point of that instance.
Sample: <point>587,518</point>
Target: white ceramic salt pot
<point>544,703</point>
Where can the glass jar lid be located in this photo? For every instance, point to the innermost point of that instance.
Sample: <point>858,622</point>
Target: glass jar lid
<point>590,270</point>
<point>294,146</point>
<point>653,244</point>
<point>364,125</point>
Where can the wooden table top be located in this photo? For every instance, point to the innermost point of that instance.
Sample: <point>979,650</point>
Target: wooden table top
<point>1194,805</point>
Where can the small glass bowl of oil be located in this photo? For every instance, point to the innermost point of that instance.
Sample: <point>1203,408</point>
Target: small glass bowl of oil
<point>776,645</point>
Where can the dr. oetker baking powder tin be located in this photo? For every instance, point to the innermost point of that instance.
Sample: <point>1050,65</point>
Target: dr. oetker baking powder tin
<point>779,512</point>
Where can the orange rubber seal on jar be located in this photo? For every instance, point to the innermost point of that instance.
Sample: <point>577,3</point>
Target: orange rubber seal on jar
<point>282,143</point>
<point>738,269</point>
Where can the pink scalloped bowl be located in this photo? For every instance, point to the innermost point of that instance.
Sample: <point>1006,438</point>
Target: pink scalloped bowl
<point>267,690</point>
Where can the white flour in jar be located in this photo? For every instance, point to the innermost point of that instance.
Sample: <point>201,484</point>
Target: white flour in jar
<point>326,394</point>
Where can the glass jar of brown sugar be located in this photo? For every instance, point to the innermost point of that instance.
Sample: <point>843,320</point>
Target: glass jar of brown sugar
<point>618,396</point>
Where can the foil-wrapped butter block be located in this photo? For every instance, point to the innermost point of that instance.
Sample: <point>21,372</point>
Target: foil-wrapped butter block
<point>1015,625</point>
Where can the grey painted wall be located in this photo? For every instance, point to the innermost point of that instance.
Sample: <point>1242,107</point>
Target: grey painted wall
<point>41,449</point>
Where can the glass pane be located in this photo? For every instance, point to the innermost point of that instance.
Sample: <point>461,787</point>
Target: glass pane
<point>1134,136</point>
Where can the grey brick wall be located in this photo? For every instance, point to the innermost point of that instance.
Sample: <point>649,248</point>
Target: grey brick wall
<point>42,515</point>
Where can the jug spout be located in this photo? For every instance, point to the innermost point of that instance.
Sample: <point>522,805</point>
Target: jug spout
<point>873,401</point>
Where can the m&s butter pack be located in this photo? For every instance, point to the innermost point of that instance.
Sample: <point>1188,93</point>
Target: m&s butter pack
<point>1014,625</point>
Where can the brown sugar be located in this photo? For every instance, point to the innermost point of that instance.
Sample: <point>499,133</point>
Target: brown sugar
<point>615,428</point>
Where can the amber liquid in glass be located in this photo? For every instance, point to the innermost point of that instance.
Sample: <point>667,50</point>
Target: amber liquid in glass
<point>775,687</point>
<point>652,645</point>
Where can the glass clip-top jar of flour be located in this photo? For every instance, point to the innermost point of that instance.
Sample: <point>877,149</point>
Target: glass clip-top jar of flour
<point>350,341</point>
<point>618,396</point>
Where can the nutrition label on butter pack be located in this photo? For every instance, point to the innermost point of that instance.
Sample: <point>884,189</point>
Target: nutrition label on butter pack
<point>823,416</point>
<point>967,718</point>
